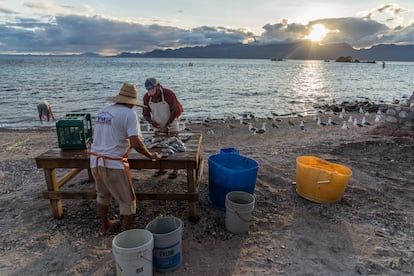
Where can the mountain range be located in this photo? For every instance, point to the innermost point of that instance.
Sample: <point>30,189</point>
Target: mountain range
<point>299,50</point>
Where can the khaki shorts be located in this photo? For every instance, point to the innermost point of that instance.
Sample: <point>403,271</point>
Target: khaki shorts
<point>114,183</point>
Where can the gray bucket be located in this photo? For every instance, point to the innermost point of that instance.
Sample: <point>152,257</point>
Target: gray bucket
<point>167,232</point>
<point>239,207</point>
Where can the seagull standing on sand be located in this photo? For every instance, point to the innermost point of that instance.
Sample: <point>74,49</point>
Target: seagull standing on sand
<point>302,125</point>
<point>350,119</point>
<point>262,130</point>
<point>377,118</point>
<point>345,125</point>
<point>252,128</point>
<point>320,123</point>
<point>331,122</point>
<point>364,121</point>
<point>356,123</point>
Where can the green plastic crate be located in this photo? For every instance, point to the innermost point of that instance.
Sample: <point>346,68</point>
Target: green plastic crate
<point>74,130</point>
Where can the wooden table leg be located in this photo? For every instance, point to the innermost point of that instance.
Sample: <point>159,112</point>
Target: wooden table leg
<point>191,189</point>
<point>90,176</point>
<point>52,185</point>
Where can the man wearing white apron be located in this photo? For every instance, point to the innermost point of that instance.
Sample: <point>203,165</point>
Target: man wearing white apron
<point>162,111</point>
<point>117,129</point>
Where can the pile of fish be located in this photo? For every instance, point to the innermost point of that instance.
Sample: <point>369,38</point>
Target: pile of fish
<point>169,146</point>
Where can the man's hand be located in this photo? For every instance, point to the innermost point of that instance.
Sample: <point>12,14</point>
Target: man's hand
<point>155,124</point>
<point>155,156</point>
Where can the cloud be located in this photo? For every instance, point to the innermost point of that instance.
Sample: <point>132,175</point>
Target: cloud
<point>358,32</point>
<point>389,9</point>
<point>75,32</point>
<point>53,8</point>
<point>6,9</point>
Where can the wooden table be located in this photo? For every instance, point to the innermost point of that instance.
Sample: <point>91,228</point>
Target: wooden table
<point>78,160</point>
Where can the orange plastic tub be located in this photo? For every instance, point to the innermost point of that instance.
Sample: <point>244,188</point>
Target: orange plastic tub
<point>319,180</point>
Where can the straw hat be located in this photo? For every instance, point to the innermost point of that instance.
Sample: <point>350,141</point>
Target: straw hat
<point>127,95</point>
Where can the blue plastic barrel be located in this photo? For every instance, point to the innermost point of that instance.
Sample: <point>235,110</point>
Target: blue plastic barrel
<point>229,150</point>
<point>227,173</point>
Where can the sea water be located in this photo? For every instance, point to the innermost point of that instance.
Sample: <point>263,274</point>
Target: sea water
<point>213,88</point>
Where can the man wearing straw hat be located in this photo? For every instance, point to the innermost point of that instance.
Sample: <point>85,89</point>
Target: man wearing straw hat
<point>117,129</point>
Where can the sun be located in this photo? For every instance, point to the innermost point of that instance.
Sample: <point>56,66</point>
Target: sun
<point>318,33</point>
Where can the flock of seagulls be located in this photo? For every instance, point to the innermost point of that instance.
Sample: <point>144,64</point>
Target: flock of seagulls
<point>343,119</point>
<point>333,120</point>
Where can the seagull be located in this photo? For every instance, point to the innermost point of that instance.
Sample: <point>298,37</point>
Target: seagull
<point>320,123</point>
<point>262,130</point>
<point>275,125</point>
<point>252,128</point>
<point>350,119</point>
<point>345,125</point>
<point>341,115</point>
<point>302,125</point>
<point>377,118</point>
<point>331,122</point>
<point>379,112</point>
<point>366,113</point>
<point>361,110</point>
<point>184,126</point>
<point>364,121</point>
<point>356,123</point>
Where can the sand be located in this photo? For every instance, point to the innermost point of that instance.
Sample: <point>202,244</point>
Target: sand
<point>370,231</point>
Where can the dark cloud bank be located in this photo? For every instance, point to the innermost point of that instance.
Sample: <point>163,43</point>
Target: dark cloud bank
<point>97,34</point>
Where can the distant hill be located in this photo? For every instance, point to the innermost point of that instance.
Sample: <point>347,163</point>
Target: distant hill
<point>300,50</point>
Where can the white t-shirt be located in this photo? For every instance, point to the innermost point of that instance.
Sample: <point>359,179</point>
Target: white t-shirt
<point>113,125</point>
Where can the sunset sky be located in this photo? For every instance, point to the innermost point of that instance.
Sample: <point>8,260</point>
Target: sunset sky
<point>111,27</point>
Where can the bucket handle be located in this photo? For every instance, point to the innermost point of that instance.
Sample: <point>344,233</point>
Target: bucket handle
<point>241,218</point>
<point>326,181</point>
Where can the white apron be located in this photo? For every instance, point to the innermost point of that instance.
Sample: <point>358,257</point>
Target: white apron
<point>160,113</point>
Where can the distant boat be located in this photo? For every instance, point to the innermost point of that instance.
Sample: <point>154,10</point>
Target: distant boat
<point>327,60</point>
<point>277,59</point>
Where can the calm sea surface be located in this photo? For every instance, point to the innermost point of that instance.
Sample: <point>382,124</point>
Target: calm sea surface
<point>215,88</point>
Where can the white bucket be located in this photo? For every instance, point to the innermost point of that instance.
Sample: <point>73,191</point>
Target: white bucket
<point>132,250</point>
<point>167,232</point>
<point>239,207</point>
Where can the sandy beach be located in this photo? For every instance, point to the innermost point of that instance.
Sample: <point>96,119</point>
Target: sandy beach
<point>369,232</point>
